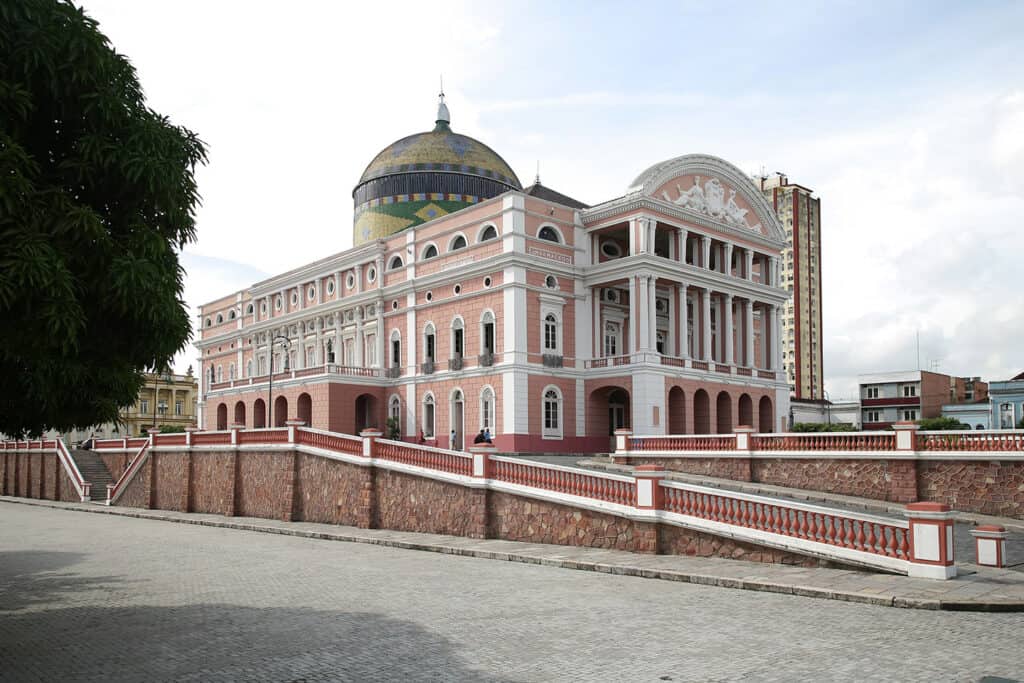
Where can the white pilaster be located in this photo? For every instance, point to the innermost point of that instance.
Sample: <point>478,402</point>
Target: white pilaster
<point>748,330</point>
<point>730,354</point>
<point>706,324</point>
<point>684,332</point>
<point>634,313</point>
<point>411,424</point>
<point>411,333</point>
<point>644,313</point>
<point>652,312</point>
<point>515,322</point>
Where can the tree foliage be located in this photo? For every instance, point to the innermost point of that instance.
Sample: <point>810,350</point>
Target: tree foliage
<point>934,424</point>
<point>822,427</point>
<point>97,198</point>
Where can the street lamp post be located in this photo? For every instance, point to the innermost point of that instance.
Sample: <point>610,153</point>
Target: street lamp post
<point>828,405</point>
<point>270,387</point>
<point>156,393</point>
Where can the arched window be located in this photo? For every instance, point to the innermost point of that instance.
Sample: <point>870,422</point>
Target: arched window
<point>429,345</point>
<point>220,318</point>
<point>428,416</point>
<point>550,234</point>
<point>550,333</point>
<point>458,337</point>
<point>248,369</point>
<point>249,309</point>
<point>430,252</point>
<point>220,373</point>
<point>231,314</point>
<point>487,409</point>
<point>212,377</point>
<point>487,333</point>
<point>209,322</point>
<point>396,349</point>
<point>395,263</point>
<point>458,243</point>
<point>395,411</point>
<point>552,413</point>
<point>231,371</point>
<point>489,233</point>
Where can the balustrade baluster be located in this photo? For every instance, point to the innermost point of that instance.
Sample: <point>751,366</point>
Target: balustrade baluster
<point>890,545</point>
<point>869,538</point>
<point>904,546</point>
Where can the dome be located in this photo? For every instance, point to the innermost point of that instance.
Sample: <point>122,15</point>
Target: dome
<point>425,176</point>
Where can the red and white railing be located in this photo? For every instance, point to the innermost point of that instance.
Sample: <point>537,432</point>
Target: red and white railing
<point>328,441</point>
<point>906,439</point>
<point>610,488</point>
<point>115,490</point>
<point>427,457</point>
<point>788,520</point>
<point>688,442</point>
<point>82,487</point>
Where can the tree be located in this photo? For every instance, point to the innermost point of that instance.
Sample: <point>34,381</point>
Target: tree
<point>822,427</point>
<point>934,424</point>
<point>97,198</point>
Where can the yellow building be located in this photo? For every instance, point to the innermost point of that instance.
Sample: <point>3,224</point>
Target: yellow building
<point>800,214</point>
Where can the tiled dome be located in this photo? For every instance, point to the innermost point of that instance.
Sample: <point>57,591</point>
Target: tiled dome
<point>425,176</point>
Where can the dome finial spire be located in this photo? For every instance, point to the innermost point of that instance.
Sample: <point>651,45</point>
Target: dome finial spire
<point>443,117</point>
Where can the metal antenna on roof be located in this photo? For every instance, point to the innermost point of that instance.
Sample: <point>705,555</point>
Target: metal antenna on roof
<point>537,179</point>
<point>443,117</point>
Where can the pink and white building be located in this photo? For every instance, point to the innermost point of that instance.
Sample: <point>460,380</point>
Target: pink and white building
<point>546,321</point>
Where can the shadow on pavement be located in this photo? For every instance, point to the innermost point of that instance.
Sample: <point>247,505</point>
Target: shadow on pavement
<point>222,642</point>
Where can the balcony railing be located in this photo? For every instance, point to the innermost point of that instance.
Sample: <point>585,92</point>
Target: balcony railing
<point>393,372</point>
<point>455,363</point>
<point>485,360</point>
<point>551,360</point>
<point>427,367</point>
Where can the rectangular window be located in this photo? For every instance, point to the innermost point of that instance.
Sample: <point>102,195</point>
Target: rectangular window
<point>551,415</point>
<point>872,392</point>
<point>396,353</point>
<point>179,408</point>
<point>458,343</point>
<point>910,415</point>
<point>872,416</point>
<point>910,390</point>
<point>428,421</point>
<point>611,341</point>
<point>430,347</point>
<point>144,406</point>
<point>488,337</point>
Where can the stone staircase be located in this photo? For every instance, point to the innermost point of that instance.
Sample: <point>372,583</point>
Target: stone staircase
<point>93,471</point>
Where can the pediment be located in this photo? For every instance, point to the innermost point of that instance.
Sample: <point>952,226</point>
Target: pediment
<point>711,187</point>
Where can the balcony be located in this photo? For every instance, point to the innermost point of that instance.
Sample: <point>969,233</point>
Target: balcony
<point>551,360</point>
<point>485,360</point>
<point>393,372</point>
<point>455,363</point>
<point>427,367</point>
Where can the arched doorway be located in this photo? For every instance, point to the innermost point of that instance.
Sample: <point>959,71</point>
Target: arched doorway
<point>222,416</point>
<point>280,411</point>
<point>618,410</point>
<point>457,415</point>
<point>259,414</point>
<point>766,415</point>
<point>366,406</point>
<point>240,413</point>
<point>304,409</point>
<point>723,406</point>
<point>608,410</point>
<point>701,412</point>
<point>746,414</point>
<point>676,411</point>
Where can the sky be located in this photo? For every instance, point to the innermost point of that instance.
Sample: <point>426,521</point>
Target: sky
<point>905,118</point>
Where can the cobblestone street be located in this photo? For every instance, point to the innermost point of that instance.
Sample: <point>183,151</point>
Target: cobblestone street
<point>98,597</point>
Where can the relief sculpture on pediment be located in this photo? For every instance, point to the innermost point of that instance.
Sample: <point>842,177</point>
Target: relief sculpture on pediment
<point>710,200</point>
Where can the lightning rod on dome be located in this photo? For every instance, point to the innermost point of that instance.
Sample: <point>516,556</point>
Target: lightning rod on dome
<point>536,179</point>
<point>443,116</point>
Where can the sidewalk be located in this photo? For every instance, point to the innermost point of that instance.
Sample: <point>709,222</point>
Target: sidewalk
<point>981,589</point>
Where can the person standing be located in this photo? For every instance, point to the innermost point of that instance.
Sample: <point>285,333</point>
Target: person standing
<point>451,442</point>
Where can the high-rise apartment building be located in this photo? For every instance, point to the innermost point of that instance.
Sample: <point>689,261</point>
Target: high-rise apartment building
<point>800,214</point>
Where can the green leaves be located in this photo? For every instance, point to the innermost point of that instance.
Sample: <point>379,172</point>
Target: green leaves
<point>97,194</point>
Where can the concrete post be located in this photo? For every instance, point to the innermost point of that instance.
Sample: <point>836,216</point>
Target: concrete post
<point>622,437</point>
<point>906,436</point>
<point>931,541</point>
<point>479,520</point>
<point>369,437</point>
<point>990,545</point>
<point>648,488</point>
<point>235,428</point>
<point>189,431</point>
<point>743,441</point>
<point>293,429</point>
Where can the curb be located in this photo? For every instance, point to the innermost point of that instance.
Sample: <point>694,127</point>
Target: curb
<point>580,565</point>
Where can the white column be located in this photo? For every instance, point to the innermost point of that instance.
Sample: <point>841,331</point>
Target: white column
<point>359,278</point>
<point>683,323</point>
<point>381,341</point>
<point>706,334</point>
<point>360,342</point>
<point>777,339</point>
<point>642,321</point>
<point>652,227</point>
<point>776,273</point>
<point>318,351</point>
<point>412,335</point>
<point>773,327</point>
<point>705,246</point>
<point>749,267</point>
<point>673,326</point>
<point>728,258</point>
<point>634,248</point>
<point>652,312</point>
<point>748,329</point>
<point>681,244</point>
<point>633,314</point>
<point>730,354</point>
